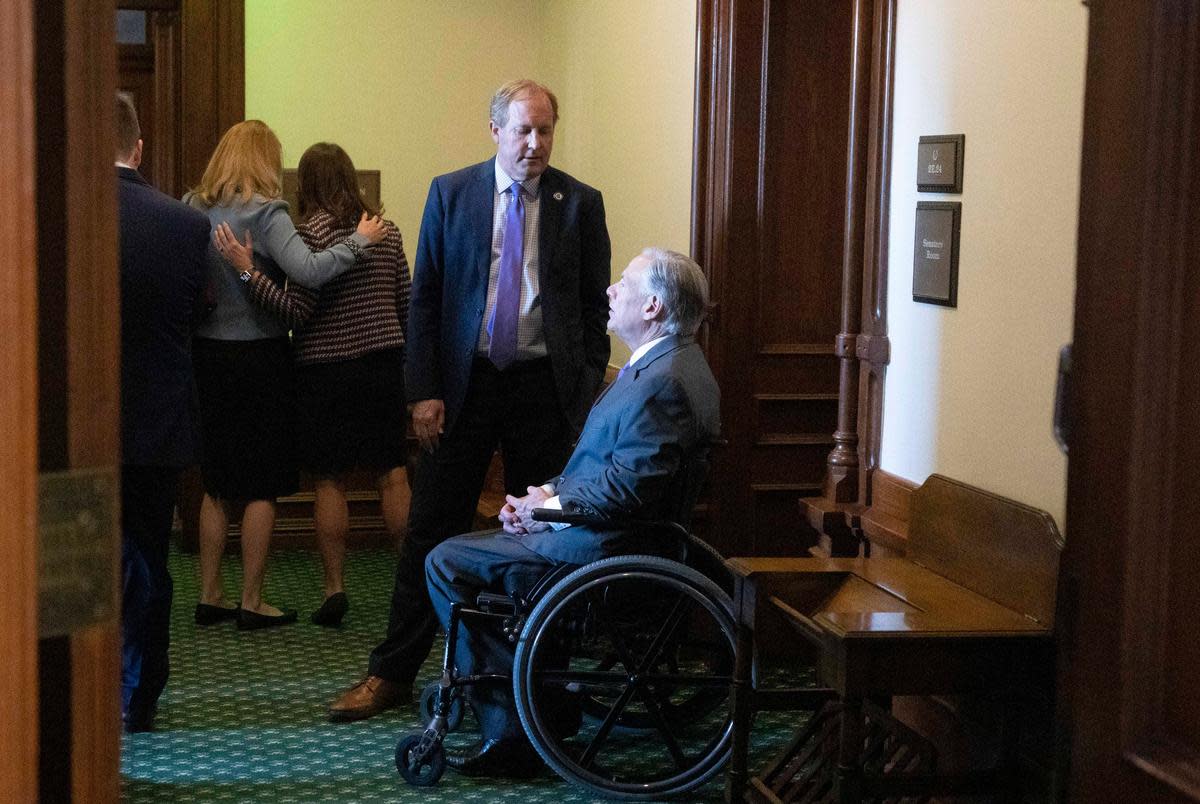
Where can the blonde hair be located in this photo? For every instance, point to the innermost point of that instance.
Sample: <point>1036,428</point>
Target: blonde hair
<point>247,160</point>
<point>515,90</point>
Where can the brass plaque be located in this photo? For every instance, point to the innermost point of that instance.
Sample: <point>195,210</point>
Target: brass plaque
<point>78,539</point>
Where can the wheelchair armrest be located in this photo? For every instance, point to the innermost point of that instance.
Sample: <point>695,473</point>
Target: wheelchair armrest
<point>494,602</point>
<point>614,523</point>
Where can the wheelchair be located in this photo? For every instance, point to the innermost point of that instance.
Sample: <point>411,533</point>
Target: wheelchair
<point>621,674</point>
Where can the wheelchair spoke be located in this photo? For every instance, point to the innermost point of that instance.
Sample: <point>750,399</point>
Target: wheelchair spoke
<point>664,634</point>
<point>660,721</point>
<point>589,754</point>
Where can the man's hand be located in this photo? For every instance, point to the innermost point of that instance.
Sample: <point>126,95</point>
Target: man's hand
<point>517,514</point>
<point>428,416</point>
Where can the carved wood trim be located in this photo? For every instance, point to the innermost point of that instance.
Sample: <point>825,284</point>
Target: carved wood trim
<point>18,401</point>
<point>885,521</point>
<point>841,478</point>
<point>863,347</point>
<point>873,347</point>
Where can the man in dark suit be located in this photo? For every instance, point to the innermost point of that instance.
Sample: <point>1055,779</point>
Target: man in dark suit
<point>661,413</point>
<point>163,247</point>
<point>506,348</point>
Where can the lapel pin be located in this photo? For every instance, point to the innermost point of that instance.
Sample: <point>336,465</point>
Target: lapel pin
<point>558,196</point>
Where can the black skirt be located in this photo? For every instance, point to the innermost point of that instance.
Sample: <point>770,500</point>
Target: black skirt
<point>352,414</point>
<point>247,418</point>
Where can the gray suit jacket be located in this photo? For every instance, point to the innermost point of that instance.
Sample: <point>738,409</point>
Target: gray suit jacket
<point>640,435</point>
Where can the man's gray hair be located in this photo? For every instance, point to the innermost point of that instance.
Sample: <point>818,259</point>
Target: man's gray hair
<point>679,283</point>
<point>515,90</point>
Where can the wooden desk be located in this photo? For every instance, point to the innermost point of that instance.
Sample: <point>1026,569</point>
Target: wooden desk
<point>891,626</point>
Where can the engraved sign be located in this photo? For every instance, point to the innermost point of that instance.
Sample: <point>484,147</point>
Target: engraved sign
<point>940,163</point>
<point>77,548</point>
<point>935,253</point>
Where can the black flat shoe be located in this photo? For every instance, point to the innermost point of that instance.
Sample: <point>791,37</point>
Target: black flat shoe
<point>252,620</point>
<point>207,614</point>
<point>332,610</point>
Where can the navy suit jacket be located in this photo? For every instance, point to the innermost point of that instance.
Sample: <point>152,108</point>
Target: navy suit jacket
<point>450,282</point>
<point>164,244</point>
<point>631,456</point>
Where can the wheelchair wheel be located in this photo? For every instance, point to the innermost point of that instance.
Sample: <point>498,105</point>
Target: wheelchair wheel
<point>421,766</point>
<point>644,646</point>
<point>429,706</point>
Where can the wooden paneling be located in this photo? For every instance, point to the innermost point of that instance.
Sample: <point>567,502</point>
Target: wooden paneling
<point>885,523</point>
<point>212,91</point>
<point>1130,654</point>
<point>18,406</point>
<point>190,84</point>
<point>769,213</point>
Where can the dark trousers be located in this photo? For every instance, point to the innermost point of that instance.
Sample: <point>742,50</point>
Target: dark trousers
<point>516,410</point>
<point>457,571</point>
<point>147,508</point>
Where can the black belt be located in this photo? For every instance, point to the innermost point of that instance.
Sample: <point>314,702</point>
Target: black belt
<point>483,364</point>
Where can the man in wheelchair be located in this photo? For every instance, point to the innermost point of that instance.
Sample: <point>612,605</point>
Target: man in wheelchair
<point>631,462</point>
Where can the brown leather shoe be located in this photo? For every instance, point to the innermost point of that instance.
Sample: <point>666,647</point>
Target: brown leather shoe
<point>368,698</point>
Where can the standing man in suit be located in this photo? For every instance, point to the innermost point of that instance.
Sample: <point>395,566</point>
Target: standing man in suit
<point>506,348</point>
<point>163,248</point>
<point>660,414</point>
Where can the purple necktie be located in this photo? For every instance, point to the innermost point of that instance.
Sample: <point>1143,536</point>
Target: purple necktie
<point>502,328</point>
<point>621,373</point>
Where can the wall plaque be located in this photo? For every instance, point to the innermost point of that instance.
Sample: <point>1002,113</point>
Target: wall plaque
<point>940,163</point>
<point>78,539</point>
<point>935,253</point>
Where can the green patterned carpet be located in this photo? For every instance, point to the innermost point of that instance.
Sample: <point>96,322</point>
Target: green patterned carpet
<point>243,716</point>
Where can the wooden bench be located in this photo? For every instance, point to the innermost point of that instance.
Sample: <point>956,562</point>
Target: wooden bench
<point>969,609</point>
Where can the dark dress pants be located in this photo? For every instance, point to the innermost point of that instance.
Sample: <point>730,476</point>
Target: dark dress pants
<point>147,509</point>
<point>517,410</point>
<point>457,571</point>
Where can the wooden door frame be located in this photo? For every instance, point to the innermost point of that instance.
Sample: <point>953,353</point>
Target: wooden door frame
<point>1133,443</point>
<point>18,406</point>
<point>862,346</point>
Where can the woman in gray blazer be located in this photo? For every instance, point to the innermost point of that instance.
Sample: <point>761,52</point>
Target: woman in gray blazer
<point>243,367</point>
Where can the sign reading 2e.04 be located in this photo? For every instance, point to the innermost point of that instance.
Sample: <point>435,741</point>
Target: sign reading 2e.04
<point>940,163</point>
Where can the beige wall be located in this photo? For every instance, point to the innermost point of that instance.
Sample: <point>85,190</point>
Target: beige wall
<point>970,390</point>
<point>626,75</point>
<point>403,85</point>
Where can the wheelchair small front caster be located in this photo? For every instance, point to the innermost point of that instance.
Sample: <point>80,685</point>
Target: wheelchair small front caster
<point>429,699</point>
<point>420,759</point>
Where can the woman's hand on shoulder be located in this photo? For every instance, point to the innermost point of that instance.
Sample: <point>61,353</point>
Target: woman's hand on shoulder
<point>239,256</point>
<point>373,228</point>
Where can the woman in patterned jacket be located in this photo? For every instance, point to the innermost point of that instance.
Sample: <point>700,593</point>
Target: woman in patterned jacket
<point>348,344</point>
